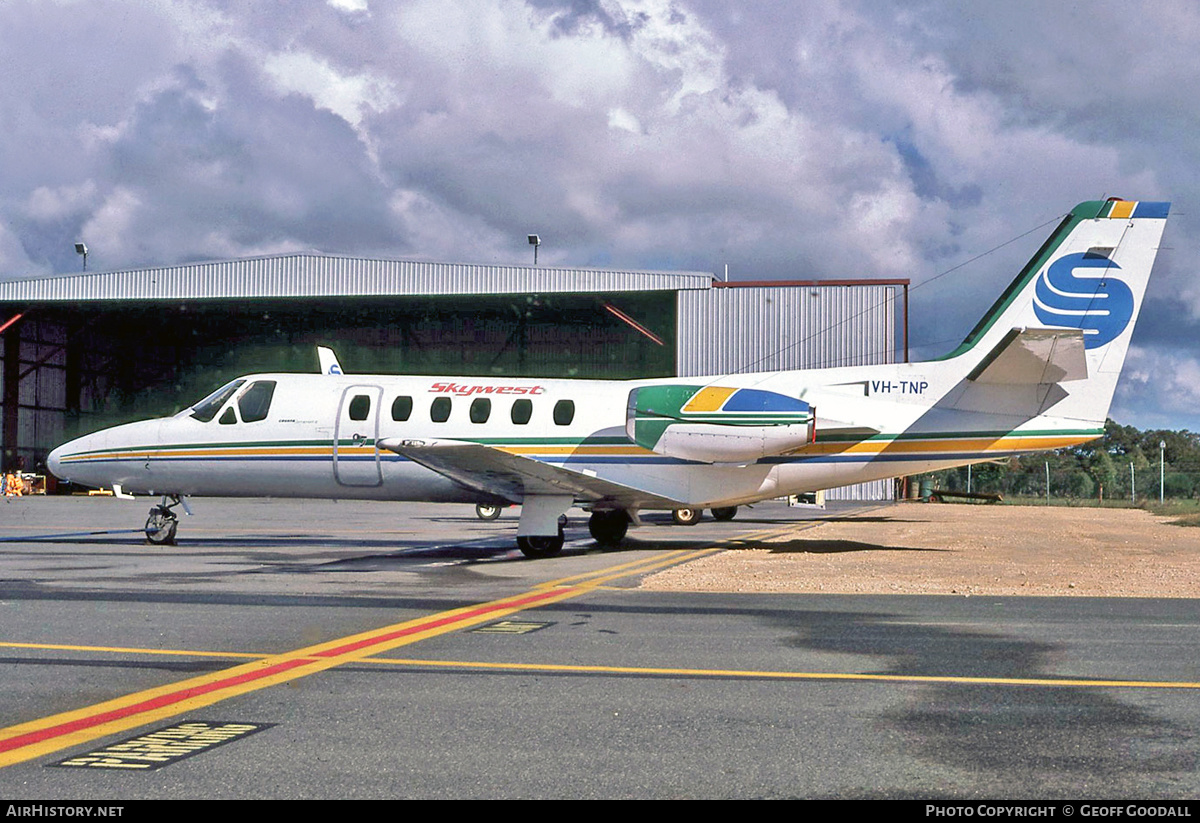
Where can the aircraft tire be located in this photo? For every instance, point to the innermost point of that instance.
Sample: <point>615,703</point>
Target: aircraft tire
<point>686,517</point>
<point>724,512</point>
<point>485,511</point>
<point>608,528</point>
<point>537,547</point>
<point>161,526</point>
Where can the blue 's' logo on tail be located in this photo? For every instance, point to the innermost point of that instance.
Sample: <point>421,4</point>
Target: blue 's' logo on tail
<point>1102,306</point>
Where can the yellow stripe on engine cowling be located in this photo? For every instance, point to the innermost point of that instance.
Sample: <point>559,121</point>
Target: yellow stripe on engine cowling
<point>708,400</point>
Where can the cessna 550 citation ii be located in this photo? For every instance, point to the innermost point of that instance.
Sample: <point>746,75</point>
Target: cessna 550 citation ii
<point>1037,372</point>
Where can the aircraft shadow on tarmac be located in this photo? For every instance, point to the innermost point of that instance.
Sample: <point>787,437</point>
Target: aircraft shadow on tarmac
<point>995,739</point>
<point>802,546</point>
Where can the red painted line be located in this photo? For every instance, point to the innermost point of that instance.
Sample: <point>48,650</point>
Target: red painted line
<point>181,695</point>
<point>147,705</point>
<point>433,624</point>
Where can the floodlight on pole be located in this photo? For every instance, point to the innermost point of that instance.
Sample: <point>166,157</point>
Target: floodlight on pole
<point>535,241</point>
<point>81,249</point>
<point>1162,453</point>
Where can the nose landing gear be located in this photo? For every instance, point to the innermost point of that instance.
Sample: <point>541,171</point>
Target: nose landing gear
<point>162,523</point>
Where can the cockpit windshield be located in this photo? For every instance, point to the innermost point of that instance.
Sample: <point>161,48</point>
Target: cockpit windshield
<point>207,408</point>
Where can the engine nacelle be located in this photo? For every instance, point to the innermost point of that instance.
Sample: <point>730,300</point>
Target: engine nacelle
<point>718,424</point>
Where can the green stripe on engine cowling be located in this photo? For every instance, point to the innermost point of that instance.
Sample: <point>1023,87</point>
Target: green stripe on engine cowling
<point>654,409</point>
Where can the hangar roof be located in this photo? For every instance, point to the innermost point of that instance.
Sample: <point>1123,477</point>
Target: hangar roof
<point>325,275</point>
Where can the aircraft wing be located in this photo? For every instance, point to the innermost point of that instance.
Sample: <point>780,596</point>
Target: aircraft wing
<point>502,474</point>
<point>1027,356</point>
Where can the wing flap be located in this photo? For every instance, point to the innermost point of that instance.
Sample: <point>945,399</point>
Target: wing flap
<point>495,472</point>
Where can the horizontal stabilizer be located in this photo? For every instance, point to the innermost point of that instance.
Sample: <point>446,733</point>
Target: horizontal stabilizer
<point>826,426</point>
<point>502,474</point>
<point>1031,356</point>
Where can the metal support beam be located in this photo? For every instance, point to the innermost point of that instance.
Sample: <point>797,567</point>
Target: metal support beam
<point>11,394</point>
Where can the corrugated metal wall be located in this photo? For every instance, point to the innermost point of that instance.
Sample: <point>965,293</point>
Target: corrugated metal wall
<point>873,490</point>
<point>722,328</point>
<point>768,327</point>
<point>315,275</point>
<point>743,328</point>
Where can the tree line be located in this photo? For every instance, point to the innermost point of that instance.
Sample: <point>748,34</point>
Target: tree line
<point>1124,464</point>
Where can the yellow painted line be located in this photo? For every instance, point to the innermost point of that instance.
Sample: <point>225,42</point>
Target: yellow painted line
<point>782,675</point>
<point>128,650</point>
<point>56,732</point>
<point>675,671</point>
<point>593,579</point>
<point>36,738</point>
<point>43,736</point>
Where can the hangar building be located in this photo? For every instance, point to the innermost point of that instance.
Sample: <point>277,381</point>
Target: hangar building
<point>87,350</point>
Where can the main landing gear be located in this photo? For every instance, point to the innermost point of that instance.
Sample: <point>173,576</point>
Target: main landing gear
<point>537,546</point>
<point>687,517</point>
<point>608,528</point>
<point>690,516</point>
<point>486,511</point>
<point>162,523</point>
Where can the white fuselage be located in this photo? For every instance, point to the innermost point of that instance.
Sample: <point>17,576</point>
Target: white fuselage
<point>321,439</point>
<point>1038,372</point>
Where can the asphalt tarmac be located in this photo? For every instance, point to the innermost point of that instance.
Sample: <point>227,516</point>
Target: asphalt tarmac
<point>327,649</point>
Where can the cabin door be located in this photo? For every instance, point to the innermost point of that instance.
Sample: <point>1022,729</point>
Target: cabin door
<point>356,437</point>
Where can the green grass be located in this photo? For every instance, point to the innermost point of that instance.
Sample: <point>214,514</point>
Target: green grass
<point>1185,511</point>
<point>1074,502</point>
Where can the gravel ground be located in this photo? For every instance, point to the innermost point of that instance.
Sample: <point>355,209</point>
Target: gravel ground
<point>914,548</point>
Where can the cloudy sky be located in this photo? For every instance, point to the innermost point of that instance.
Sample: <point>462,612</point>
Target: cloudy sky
<point>815,139</point>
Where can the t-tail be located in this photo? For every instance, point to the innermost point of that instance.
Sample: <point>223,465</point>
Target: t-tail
<point>1055,341</point>
<point>1037,372</point>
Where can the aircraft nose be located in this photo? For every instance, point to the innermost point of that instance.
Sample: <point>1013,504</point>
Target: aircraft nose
<point>64,463</point>
<point>54,461</point>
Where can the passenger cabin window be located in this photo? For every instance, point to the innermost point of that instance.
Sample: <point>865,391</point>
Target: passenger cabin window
<point>439,410</point>
<point>255,402</point>
<point>401,409</point>
<point>481,410</point>
<point>228,417</point>
<point>360,407</point>
<point>522,410</point>
<point>564,412</point>
<point>207,409</point>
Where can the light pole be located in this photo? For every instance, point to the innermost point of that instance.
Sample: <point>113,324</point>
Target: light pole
<point>535,241</point>
<point>1162,450</point>
<point>81,249</point>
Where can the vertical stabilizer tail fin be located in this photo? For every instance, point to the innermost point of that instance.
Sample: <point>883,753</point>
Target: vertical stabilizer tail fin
<point>1090,276</point>
<point>328,360</point>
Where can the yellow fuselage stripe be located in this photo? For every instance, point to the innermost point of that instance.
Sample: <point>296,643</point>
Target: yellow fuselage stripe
<point>930,448</point>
